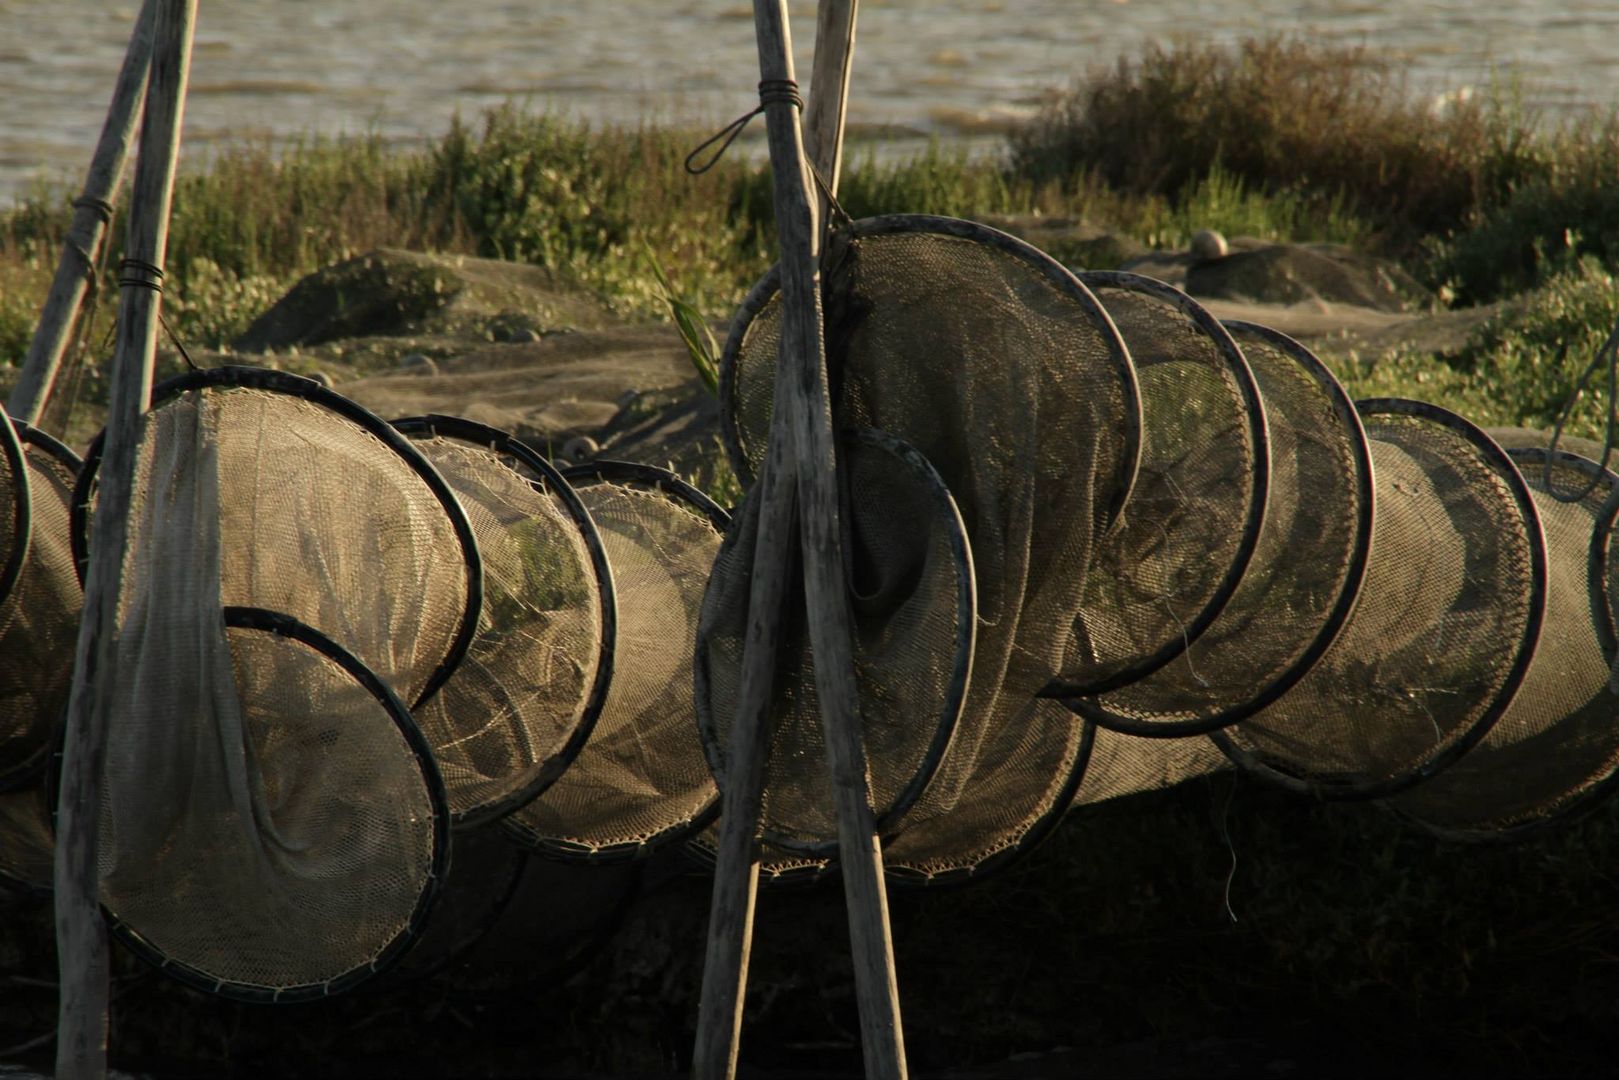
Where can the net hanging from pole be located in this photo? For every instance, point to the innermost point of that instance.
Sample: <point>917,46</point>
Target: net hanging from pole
<point>525,698</point>
<point>641,780</point>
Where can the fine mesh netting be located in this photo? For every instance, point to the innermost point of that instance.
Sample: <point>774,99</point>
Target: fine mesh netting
<point>1447,619</point>
<point>525,697</point>
<point>39,620</point>
<point>1307,566</point>
<point>1006,374</point>
<point>328,516</point>
<point>27,846</point>
<point>272,826</point>
<point>912,606</point>
<point>641,780</point>
<point>15,508</point>
<point>1186,535</point>
<point>1557,744</point>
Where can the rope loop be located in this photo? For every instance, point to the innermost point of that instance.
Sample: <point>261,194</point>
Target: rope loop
<point>771,92</point>
<point>140,274</point>
<point>102,207</point>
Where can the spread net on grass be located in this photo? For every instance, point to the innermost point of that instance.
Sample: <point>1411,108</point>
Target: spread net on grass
<point>1307,567</point>
<point>524,699</point>
<point>329,516</point>
<point>39,619</point>
<point>1557,745</point>
<point>1193,518</point>
<point>1444,629</point>
<point>641,779</point>
<point>912,603</point>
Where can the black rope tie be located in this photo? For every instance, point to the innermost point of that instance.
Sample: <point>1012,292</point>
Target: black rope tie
<point>1606,357</point>
<point>140,275</point>
<point>771,92</point>
<point>102,207</point>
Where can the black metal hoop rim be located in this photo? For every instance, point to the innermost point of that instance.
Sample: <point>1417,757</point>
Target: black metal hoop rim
<point>1037,833</point>
<point>955,689</point>
<point>248,618</point>
<point>666,483</point>
<point>1343,408</point>
<point>1602,618</point>
<point>22,511</point>
<point>1055,274</point>
<point>282,382</point>
<point>1491,453</point>
<point>1259,432</point>
<point>502,442</point>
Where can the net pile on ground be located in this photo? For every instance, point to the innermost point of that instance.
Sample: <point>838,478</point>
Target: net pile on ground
<point>526,696</point>
<point>640,781</point>
<point>273,824</point>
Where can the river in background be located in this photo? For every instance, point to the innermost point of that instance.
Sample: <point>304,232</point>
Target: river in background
<point>954,69</point>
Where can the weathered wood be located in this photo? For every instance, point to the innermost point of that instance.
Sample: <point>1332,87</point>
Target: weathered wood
<point>827,109</point>
<point>88,230</point>
<point>81,936</point>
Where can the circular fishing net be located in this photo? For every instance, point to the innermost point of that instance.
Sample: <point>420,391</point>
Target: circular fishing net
<point>524,699</point>
<point>640,781</point>
<point>1193,520</point>
<point>1556,748</point>
<point>1003,371</point>
<point>1306,569</point>
<point>329,516</point>
<point>27,845</point>
<point>39,620</point>
<point>910,584</point>
<point>15,506</point>
<point>272,825</point>
<point>1445,626</point>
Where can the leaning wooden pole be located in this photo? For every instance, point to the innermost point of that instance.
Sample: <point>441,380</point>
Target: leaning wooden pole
<point>802,455</point>
<point>827,109</point>
<point>81,936</point>
<point>92,220</point>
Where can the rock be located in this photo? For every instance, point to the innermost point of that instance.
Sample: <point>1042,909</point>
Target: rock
<point>324,379</point>
<point>580,448</point>
<point>417,364</point>
<point>391,292</point>
<point>1291,273</point>
<point>1209,244</point>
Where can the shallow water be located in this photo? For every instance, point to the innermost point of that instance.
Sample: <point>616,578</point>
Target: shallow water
<point>960,69</point>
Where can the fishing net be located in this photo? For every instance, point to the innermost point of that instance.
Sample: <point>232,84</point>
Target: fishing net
<point>911,601</point>
<point>1193,520</point>
<point>1306,569</point>
<point>524,699</point>
<point>15,506</point>
<point>27,844</point>
<point>1444,628</point>
<point>996,365</point>
<point>329,516</point>
<point>39,620</point>
<point>641,780</point>
<point>1556,748</point>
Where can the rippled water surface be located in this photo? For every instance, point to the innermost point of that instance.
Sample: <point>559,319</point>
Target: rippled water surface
<point>955,68</point>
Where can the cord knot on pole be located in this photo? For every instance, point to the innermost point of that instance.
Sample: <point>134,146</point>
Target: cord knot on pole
<point>771,92</point>
<point>140,274</point>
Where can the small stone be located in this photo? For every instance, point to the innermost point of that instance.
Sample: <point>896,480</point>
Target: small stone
<point>322,378</point>
<point>1208,244</point>
<point>580,448</point>
<point>524,335</point>
<point>417,364</point>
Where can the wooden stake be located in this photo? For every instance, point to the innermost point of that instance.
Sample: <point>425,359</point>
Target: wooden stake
<point>88,232</point>
<point>81,936</point>
<point>828,106</point>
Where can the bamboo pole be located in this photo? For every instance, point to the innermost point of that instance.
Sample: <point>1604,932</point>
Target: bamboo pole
<point>92,220</point>
<point>801,450</point>
<point>827,108</point>
<point>81,936</point>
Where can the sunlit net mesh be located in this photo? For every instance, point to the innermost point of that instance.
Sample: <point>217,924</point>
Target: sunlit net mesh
<point>39,621</point>
<point>911,601</point>
<point>641,779</point>
<point>1558,742</point>
<point>510,718</point>
<point>1192,521</point>
<point>271,824</point>
<point>323,521</point>
<point>1005,373</point>
<point>1306,569</point>
<point>1446,620</point>
<point>14,506</point>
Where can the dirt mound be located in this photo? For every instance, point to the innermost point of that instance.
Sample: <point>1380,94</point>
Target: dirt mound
<point>392,292</point>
